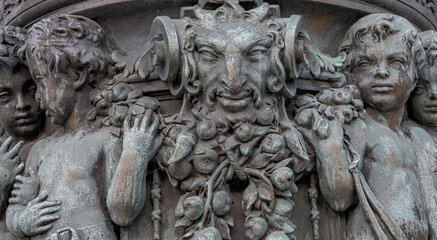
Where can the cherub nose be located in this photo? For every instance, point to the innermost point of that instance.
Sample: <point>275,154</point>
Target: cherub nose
<point>382,72</point>
<point>22,103</point>
<point>432,90</point>
<point>233,78</point>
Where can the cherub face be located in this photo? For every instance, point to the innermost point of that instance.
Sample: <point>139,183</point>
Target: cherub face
<point>21,116</point>
<point>233,64</point>
<point>423,101</point>
<point>56,96</point>
<point>384,72</point>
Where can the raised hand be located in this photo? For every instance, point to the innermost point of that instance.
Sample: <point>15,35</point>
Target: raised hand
<point>25,189</point>
<point>141,137</point>
<point>38,215</point>
<point>10,162</point>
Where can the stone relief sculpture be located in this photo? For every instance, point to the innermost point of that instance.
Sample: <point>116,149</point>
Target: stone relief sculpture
<point>384,55</point>
<point>21,118</point>
<point>421,103</point>
<point>243,132</point>
<point>71,64</point>
<point>233,129</point>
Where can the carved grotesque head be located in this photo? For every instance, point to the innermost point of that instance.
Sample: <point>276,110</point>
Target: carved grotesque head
<point>21,116</point>
<point>384,54</point>
<point>232,60</point>
<point>423,100</point>
<point>66,54</point>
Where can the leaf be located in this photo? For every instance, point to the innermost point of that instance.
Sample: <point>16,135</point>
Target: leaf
<point>229,220</point>
<point>295,143</point>
<point>183,222</point>
<point>231,143</point>
<point>179,211</point>
<point>285,193</point>
<point>280,155</point>
<point>198,183</point>
<point>229,173</point>
<point>330,112</point>
<point>188,234</point>
<point>184,144</point>
<point>185,185</point>
<point>260,161</point>
<point>283,163</point>
<point>223,228</point>
<point>91,115</point>
<point>312,60</point>
<point>240,174</point>
<point>250,195</point>
<point>281,223</point>
<point>246,148</point>
<point>264,192</point>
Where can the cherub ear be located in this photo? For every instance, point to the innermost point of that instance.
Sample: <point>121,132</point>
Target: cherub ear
<point>82,79</point>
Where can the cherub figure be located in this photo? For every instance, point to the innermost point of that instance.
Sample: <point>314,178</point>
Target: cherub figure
<point>379,160</point>
<point>21,119</point>
<point>70,62</point>
<point>422,104</point>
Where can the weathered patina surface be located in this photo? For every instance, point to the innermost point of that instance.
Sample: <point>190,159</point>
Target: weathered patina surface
<point>218,119</point>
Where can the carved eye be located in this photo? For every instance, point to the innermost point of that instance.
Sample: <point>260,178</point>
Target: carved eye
<point>398,61</point>
<point>32,89</point>
<point>257,53</point>
<point>363,63</point>
<point>207,54</point>
<point>5,95</point>
<point>419,89</point>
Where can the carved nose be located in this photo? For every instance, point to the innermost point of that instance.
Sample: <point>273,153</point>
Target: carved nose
<point>22,104</point>
<point>382,72</point>
<point>432,90</point>
<point>38,96</point>
<point>233,79</point>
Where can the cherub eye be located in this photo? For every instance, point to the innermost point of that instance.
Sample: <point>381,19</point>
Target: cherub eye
<point>257,53</point>
<point>419,89</point>
<point>32,89</point>
<point>363,63</point>
<point>5,95</point>
<point>398,61</point>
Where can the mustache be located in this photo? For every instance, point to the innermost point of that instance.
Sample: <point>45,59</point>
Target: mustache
<point>211,98</point>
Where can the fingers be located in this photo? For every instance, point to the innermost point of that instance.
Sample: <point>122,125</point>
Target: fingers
<point>14,200</point>
<point>19,168</point>
<point>6,145</point>
<point>47,204</point>
<point>146,119</point>
<point>154,126</point>
<point>43,229</point>
<point>127,121</point>
<point>49,210</point>
<point>46,219</point>
<point>20,179</point>
<point>14,151</point>
<point>38,199</point>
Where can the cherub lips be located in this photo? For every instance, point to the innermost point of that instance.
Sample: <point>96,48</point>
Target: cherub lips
<point>23,120</point>
<point>431,108</point>
<point>382,88</point>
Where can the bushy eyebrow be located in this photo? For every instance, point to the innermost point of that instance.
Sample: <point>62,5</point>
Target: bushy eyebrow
<point>260,42</point>
<point>201,42</point>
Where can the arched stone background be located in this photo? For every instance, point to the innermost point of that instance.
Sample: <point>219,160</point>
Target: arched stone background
<point>127,23</point>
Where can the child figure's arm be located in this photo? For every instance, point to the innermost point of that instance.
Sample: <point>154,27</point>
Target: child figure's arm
<point>30,213</point>
<point>127,192</point>
<point>10,166</point>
